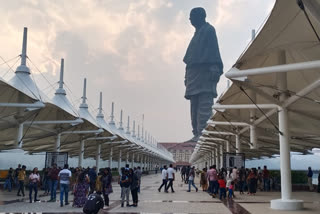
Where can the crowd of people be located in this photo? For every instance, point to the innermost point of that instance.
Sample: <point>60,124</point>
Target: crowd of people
<point>89,185</point>
<point>86,184</point>
<point>216,181</point>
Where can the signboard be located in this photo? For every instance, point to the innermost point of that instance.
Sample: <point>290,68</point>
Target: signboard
<point>231,160</point>
<point>59,158</point>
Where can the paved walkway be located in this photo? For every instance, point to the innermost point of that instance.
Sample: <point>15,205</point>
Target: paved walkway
<point>151,201</point>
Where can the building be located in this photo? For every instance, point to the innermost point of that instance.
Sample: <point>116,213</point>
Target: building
<point>181,152</point>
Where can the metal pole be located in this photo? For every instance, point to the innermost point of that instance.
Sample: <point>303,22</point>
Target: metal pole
<point>119,162</point>
<point>98,155</point>
<point>110,158</point>
<point>127,159</point>
<point>228,145</point>
<point>221,156</point>
<point>217,158</point>
<point>285,166</point>
<point>238,144</point>
<point>57,144</point>
<point>81,153</point>
<point>20,134</point>
<point>132,161</point>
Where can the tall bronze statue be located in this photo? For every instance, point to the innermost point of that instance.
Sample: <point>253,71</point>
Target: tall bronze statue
<point>203,70</point>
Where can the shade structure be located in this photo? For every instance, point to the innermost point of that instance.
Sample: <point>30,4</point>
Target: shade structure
<point>15,107</point>
<point>272,106</point>
<point>32,123</point>
<point>285,39</point>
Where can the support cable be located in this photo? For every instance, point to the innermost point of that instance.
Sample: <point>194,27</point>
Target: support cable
<point>272,123</point>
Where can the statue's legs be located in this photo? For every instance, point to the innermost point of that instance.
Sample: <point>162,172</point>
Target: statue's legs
<point>194,100</point>
<point>205,102</point>
<point>201,110</point>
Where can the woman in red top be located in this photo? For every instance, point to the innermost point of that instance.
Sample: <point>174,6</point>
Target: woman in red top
<point>222,187</point>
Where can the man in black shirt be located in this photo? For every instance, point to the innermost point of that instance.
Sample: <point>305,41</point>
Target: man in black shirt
<point>93,204</point>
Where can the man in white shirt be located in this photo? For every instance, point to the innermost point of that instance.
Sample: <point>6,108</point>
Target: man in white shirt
<point>164,179</point>
<point>64,177</point>
<point>170,177</point>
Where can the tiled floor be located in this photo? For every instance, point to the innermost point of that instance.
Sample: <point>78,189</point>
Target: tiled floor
<point>151,201</point>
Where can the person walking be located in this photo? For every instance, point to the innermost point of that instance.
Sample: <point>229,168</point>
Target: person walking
<point>80,191</point>
<point>242,180</point>
<point>45,181</point>
<point>53,182</point>
<point>164,179</point>
<point>252,181</point>
<point>139,174</point>
<point>98,186</point>
<point>21,179</point>
<point>183,174</point>
<point>222,188</point>
<point>266,179</point>
<point>16,174</point>
<point>125,186</point>
<point>310,174</point>
<point>106,185</point>
<point>34,180</point>
<point>191,179</point>
<point>212,176</point>
<point>170,177</point>
<point>93,177</point>
<point>64,177</point>
<point>187,175</point>
<point>229,178</point>
<point>9,180</point>
<point>231,190</point>
<point>134,184</point>
<point>203,180</point>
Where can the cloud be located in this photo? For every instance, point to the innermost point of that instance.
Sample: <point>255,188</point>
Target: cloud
<point>130,50</point>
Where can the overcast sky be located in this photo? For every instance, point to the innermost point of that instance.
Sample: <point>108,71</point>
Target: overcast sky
<point>131,50</point>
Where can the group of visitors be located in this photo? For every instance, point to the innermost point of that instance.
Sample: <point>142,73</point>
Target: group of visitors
<point>130,180</point>
<point>243,179</point>
<point>168,175</point>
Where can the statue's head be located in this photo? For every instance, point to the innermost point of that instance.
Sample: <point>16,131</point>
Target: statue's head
<point>197,17</point>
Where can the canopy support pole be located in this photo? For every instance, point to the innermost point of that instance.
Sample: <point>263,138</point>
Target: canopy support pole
<point>286,202</point>
<point>57,144</point>
<point>127,159</point>
<point>110,158</point>
<point>20,135</point>
<point>238,144</point>
<point>221,156</point>
<point>119,162</point>
<point>98,152</point>
<point>228,145</point>
<point>217,158</point>
<point>132,161</point>
<point>81,153</point>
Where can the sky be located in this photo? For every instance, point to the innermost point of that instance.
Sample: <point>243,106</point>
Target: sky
<point>131,50</point>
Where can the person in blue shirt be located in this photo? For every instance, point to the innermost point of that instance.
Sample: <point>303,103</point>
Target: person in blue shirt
<point>93,177</point>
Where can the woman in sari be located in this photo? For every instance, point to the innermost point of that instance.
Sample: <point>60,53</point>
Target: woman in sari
<point>81,190</point>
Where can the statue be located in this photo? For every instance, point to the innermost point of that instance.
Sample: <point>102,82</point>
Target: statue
<point>203,70</point>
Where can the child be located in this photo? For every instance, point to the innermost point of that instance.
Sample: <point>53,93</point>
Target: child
<point>222,187</point>
<point>231,188</point>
